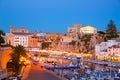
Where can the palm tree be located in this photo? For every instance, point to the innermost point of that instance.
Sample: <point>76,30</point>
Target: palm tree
<point>17,53</point>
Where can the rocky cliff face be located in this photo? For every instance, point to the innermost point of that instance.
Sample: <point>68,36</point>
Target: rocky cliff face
<point>83,44</point>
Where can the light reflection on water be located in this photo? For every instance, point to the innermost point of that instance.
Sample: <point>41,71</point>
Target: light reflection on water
<point>94,66</point>
<point>62,62</point>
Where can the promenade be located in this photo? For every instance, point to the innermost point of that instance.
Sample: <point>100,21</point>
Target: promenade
<point>35,72</point>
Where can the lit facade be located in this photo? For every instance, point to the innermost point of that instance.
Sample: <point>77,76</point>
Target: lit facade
<point>114,51</point>
<point>104,48</point>
<point>24,39</point>
<point>21,40</point>
<point>18,39</point>
<point>88,30</point>
<point>21,36</point>
<point>33,41</point>
<point>79,29</point>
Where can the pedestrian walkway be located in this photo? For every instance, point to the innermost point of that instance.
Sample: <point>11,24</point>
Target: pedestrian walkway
<point>38,73</point>
<point>55,74</point>
<point>26,72</point>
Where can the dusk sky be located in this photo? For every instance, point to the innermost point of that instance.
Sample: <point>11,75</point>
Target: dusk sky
<point>56,15</point>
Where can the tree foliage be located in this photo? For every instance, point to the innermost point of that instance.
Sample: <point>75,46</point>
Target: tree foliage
<point>17,53</point>
<point>1,38</point>
<point>72,43</point>
<point>100,32</point>
<point>2,33</point>
<point>46,45</point>
<point>111,30</point>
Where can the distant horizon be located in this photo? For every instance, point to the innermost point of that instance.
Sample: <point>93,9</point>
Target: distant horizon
<point>56,16</point>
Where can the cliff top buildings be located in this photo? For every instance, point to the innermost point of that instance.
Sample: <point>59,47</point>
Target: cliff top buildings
<point>77,28</point>
<point>88,30</point>
<point>22,36</point>
<point>74,29</point>
<point>18,30</point>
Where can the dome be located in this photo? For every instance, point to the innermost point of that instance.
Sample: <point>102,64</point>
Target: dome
<point>88,29</point>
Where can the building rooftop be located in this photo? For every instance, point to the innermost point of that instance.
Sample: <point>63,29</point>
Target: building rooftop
<point>16,33</point>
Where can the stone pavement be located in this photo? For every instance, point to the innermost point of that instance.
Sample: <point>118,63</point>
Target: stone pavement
<point>26,72</point>
<point>35,72</point>
<point>55,74</point>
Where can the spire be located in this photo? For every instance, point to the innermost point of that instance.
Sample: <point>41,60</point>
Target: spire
<point>11,28</point>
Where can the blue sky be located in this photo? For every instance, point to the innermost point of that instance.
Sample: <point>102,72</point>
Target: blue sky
<point>56,15</point>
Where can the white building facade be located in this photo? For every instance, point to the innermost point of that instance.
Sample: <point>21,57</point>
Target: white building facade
<point>21,40</point>
<point>18,39</point>
<point>109,48</point>
<point>79,29</point>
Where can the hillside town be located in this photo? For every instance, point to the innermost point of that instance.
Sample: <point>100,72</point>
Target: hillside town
<point>82,53</point>
<point>79,39</point>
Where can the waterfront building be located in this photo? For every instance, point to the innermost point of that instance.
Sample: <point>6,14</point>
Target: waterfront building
<point>109,48</point>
